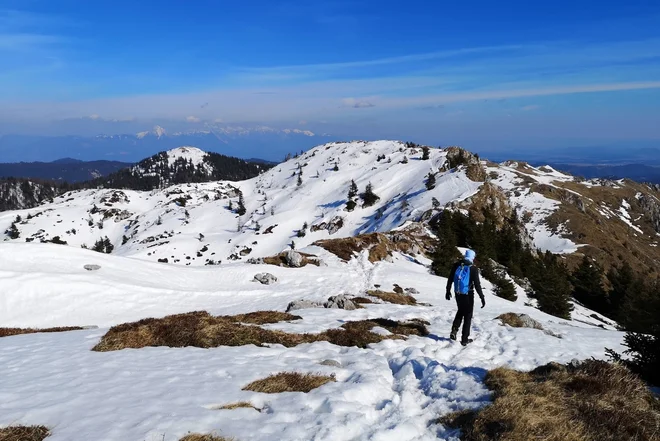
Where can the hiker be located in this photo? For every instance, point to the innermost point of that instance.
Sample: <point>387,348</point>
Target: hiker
<point>465,277</point>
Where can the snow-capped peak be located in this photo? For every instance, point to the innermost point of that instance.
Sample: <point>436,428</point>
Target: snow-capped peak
<point>188,153</point>
<point>157,131</point>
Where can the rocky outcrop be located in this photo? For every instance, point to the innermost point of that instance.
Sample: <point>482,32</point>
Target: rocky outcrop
<point>340,302</point>
<point>92,267</point>
<point>294,259</point>
<point>457,157</point>
<point>265,278</point>
<point>335,224</point>
<point>651,207</point>
<point>302,304</point>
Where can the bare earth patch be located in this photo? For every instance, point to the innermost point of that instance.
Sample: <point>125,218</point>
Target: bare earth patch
<point>24,433</point>
<point>8,332</point>
<point>596,401</point>
<point>289,382</point>
<point>200,329</point>
<point>392,297</point>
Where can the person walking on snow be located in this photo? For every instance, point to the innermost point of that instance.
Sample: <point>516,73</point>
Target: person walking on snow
<point>465,278</point>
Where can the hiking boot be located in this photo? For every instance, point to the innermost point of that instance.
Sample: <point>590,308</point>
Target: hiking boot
<point>466,342</point>
<point>453,335</point>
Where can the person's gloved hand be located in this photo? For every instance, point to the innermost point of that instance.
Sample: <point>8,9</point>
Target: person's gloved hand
<point>448,296</point>
<point>483,302</point>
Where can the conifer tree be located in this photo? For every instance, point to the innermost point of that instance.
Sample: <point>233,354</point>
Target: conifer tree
<point>299,182</point>
<point>430,181</point>
<point>241,205</point>
<point>369,198</point>
<point>426,153</point>
<point>587,281</point>
<point>435,203</point>
<point>352,190</point>
<point>336,167</point>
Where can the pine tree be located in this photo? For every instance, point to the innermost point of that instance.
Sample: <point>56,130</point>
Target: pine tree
<point>241,205</point>
<point>299,182</point>
<point>352,190</point>
<point>405,160</point>
<point>446,253</point>
<point>435,203</point>
<point>587,281</point>
<point>426,153</point>
<point>430,181</point>
<point>336,167</point>
<point>369,198</point>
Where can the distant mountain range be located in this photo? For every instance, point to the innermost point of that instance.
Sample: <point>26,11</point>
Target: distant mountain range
<point>636,172</point>
<point>241,142</point>
<point>66,169</point>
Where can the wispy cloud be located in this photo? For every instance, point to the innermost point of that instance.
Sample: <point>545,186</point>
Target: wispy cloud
<point>530,107</point>
<point>193,119</point>
<point>357,103</point>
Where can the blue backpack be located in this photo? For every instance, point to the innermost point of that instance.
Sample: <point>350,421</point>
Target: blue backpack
<point>462,279</point>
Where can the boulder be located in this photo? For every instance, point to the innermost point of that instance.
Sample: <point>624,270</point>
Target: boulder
<point>265,278</point>
<point>294,259</point>
<point>331,363</point>
<point>92,267</point>
<point>528,322</point>
<point>340,302</point>
<point>301,304</point>
<point>411,291</point>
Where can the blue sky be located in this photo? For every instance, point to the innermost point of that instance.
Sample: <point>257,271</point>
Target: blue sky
<point>511,73</point>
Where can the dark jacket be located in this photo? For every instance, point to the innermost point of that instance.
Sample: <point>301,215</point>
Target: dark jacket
<point>475,281</point>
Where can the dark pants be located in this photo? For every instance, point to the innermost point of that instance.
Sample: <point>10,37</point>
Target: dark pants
<point>464,314</point>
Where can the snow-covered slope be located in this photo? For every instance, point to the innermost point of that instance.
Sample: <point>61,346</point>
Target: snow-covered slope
<point>164,224</point>
<point>391,391</point>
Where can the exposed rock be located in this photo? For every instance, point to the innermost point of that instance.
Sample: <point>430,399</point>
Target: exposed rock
<point>457,157</point>
<point>294,259</point>
<point>397,289</point>
<point>528,322</point>
<point>411,291</point>
<point>92,267</point>
<point>256,260</point>
<point>265,278</point>
<point>334,225</point>
<point>302,304</point>
<point>340,302</point>
<point>331,363</point>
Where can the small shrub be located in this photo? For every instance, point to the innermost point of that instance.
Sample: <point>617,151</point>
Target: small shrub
<point>369,198</point>
<point>289,382</point>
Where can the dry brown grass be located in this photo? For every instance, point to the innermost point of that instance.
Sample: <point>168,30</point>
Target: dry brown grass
<point>8,332</point>
<point>200,329</point>
<point>264,317</point>
<point>24,433</point>
<point>289,382</point>
<point>514,320</point>
<point>392,297</point>
<point>361,300</point>
<point>380,245</point>
<point>596,401</point>
<point>207,437</point>
<point>239,405</point>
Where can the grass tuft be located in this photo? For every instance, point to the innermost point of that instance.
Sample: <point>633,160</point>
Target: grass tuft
<point>596,401</point>
<point>24,433</point>
<point>392,297</point>
<point>238,405</point>
<point>200,329</point>
<point>289,382</point>
<point>8,332</point>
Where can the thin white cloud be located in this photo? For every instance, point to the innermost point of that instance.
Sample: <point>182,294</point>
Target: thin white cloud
<point>530,107</point>
<point>357,103</point>
<point>193,119</point>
